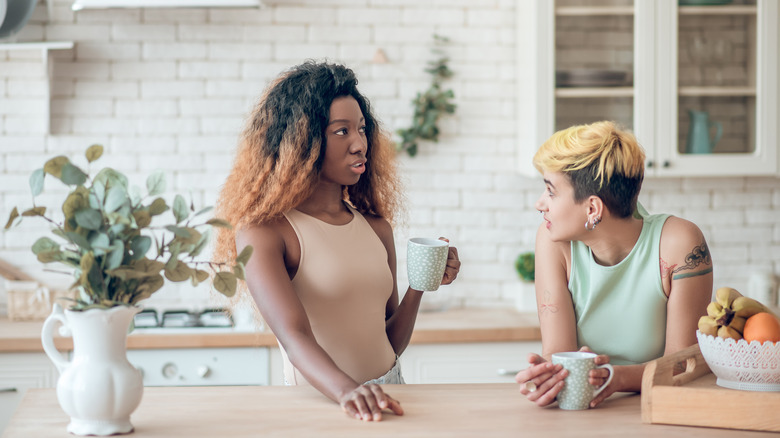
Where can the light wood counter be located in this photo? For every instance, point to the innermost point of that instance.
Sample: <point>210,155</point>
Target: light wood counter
<point>451,411</point>
<point>459,325</point>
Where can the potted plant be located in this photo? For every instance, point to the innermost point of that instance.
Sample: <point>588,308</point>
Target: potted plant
<point>119,254</point>
<point>525,267</point>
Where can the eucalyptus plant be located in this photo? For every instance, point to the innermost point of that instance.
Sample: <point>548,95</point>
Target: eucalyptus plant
<point>430,104</point>
<point>107,235</point>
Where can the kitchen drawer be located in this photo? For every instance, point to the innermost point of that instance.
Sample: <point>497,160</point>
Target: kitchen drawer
<point>488,362</point>
<point>21,371</point>
<point>202,366</point>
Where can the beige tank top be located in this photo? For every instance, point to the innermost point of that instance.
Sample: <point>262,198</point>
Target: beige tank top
<point>343,282</point>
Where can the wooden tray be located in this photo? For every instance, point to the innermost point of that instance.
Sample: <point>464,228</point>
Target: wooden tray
<point>680,389</point>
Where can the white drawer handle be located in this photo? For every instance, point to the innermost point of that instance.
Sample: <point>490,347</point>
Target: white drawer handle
<point>506,372</point>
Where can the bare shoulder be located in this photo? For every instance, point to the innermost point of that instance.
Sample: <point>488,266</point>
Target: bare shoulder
<point>684,250</point>
<point>265,236</point>
<point>680,235</point>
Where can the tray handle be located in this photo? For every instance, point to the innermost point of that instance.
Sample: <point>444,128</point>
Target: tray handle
<point>676,369</point>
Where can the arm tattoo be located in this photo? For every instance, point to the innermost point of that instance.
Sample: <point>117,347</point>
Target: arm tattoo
<point>699,255</point>
<point>666,270</point>
<point>547,304</point>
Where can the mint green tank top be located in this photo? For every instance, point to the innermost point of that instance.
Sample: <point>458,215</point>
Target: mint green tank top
<point>621,309</point>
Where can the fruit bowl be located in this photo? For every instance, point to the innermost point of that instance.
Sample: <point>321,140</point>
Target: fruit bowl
<point>741,365</point>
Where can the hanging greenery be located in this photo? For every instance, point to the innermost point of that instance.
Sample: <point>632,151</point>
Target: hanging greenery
<point>431,104</point>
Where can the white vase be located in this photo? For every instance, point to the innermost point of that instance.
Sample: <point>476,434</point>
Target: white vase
<point>98,388</point>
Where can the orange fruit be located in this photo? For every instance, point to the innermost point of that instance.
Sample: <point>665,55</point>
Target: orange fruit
<point>762,327</point>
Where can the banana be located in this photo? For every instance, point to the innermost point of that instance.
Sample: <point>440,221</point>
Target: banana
<point>747,307</point>
<point>708,326</point>
<point>725,296</point>
<point>728,332</point>
<point>715,310</point>
<point>738,324</point>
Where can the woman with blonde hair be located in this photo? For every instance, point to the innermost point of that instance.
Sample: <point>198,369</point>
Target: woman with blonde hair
<point>313,189</point>
<point>627,285</point>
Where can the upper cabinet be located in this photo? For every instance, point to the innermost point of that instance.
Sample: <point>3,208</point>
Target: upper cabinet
<point>696,80</point>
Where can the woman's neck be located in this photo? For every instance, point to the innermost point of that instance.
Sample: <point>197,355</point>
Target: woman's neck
<point>326,203</point>
<point>613,239</point>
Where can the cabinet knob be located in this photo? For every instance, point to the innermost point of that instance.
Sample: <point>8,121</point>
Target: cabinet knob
<point>650,164</point>
<point>203,371</point>
<point>667,164</point>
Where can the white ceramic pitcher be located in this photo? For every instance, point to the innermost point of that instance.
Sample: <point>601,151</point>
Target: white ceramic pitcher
<point>98,388</point>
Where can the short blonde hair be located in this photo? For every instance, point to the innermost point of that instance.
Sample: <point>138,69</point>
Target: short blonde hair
<point>600,159</point>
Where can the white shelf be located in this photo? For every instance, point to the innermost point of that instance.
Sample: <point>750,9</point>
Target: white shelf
<point>594,10</point>
<point>718,10</point>
<point>104,4</point>
<point>717,91</point>
<point>42,45</point>
<point>580,92</point>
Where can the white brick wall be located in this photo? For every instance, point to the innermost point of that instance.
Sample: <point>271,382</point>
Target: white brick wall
<point>170,88</point>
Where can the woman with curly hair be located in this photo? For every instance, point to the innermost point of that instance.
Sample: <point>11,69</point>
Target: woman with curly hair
<point>627,285</point>
<point>313,189</point>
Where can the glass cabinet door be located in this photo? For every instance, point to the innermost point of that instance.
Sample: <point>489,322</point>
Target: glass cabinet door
<point>594,62</point>
<point>721,87</point>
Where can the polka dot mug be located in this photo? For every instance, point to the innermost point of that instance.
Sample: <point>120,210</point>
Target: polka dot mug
<point>577,393</point>
<point>426,260</point>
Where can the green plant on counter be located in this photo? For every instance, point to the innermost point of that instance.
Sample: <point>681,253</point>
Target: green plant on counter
<point>431,104</point>
<point>524,265</point>
<point>107,234</point>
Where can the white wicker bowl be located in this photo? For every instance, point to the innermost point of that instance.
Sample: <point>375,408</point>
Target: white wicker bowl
<point>741,365</point>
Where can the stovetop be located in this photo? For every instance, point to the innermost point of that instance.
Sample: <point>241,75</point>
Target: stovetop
<point>179,321</point>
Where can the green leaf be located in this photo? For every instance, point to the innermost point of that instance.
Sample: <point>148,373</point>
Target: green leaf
<point>148,266</point>
<point>115,198</point>
<point>139,246</point>
<point>245,254</point>
<point>54,166</point>
<point>79,240</point>
<point>239,271</point>
<point>36,182</point>
<point>202,211</point>
<point>72,175</point>
<point>35,211</point>
<point>199,276</point>
<point>180,272</point>
<point>158,206</point>
<point>180,210</point>
<point>94,152</point>
<point>202,242</point>
<point>44,244</point>
<point>100,244</point>
<point>155,183</point>
<point>49,256</point>
<point>179,231</point>
<point>148,286</point>
<point>115,256</point>
<point>225,283</point>
<point>11,218</point>
<point>110,177</point>
<point>89,219</point>
<point>142,218</point>
<point>217,222</point>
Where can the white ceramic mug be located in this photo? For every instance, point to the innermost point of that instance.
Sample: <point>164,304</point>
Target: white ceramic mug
<point>577,393</point>
<point>426,260</point>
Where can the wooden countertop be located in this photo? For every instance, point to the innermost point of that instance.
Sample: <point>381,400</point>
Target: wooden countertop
<point>458,325</point>
<point>452,411</point>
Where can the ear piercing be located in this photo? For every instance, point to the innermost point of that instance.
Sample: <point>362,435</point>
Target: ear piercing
<point>596,221</point>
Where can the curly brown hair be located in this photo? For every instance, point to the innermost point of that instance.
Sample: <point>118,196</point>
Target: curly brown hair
<point>282,148</point>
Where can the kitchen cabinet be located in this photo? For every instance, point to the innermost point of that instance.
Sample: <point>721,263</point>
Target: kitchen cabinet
<point>482,362</point>
<point>19,372</point>
<point>654,66</point>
